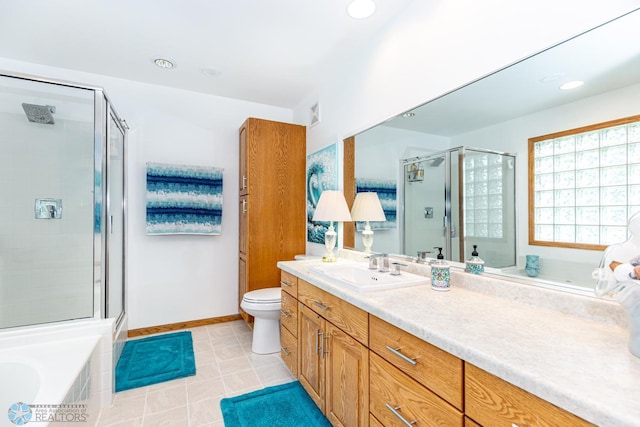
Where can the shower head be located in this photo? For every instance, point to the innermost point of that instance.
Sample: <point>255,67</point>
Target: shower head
<point>436,162</point>
<point>39,113</point>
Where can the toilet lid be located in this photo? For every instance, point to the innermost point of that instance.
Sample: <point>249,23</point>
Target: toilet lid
<point>263,296</point>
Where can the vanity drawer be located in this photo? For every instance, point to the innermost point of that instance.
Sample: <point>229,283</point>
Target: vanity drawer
<point>345,316</point>
<point>289,350</point>
<point>393,394</point>
<point>492,401</point>
<point>434,368</point>
<point>289,283</point>
<point>289,313</point>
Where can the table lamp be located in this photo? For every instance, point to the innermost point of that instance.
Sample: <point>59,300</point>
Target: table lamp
<point>367,208</point>
<point>331,207</point>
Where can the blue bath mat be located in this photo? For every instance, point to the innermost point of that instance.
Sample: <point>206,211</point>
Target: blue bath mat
<point>154,360</point>
<point>286,405</point>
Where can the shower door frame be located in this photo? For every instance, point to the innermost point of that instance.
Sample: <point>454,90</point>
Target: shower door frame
<point>102,107</point>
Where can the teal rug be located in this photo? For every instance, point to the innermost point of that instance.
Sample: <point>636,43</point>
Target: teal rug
<point>154,360</point>
<point>286,405</point>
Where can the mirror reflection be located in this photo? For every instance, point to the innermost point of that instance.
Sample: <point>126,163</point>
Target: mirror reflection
<point>459,163</point>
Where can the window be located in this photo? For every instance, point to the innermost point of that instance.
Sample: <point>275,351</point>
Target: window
<point>584,185</point>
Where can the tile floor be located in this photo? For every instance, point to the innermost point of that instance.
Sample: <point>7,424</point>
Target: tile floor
<point>225,366</point>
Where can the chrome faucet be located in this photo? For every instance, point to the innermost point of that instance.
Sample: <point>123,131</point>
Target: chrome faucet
<point>373,262</point>
<point>395,268</point>
<point>383,266</point>
<point>422,257</point>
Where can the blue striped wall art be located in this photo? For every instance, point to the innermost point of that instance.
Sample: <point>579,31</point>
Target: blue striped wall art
<point>184,199</point>
<point>387,193</point>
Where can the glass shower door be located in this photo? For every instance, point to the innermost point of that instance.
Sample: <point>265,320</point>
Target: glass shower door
<point>46,202</point>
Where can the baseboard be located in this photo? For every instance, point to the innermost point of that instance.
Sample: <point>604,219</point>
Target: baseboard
<point>182,325</point>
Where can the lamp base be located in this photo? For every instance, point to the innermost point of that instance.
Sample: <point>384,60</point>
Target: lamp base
<point>329,243</point>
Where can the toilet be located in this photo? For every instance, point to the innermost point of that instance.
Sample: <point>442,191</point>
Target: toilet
<point>264,305</point>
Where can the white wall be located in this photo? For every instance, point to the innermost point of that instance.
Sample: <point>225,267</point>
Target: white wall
<point>175,278</point>
<point>434,47</point>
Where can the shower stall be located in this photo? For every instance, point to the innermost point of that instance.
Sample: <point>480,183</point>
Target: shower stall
<point>459,198</point>
<point>62,203</point>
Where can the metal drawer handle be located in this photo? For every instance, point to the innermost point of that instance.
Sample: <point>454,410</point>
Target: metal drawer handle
<point>400,417</point>
<point>285,313</point>
<point>283,283</point>
<point>318,341</point>
<point>244,182</point>
<point>244,205</point>
<point>396,351</point>
<point>322,306</point>
<point>284,349</point>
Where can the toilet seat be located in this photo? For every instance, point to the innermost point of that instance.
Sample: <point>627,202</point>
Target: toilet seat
<point>263,296</point>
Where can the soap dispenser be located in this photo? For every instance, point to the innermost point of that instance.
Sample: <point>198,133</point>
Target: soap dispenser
<point>474,264</point>
<point>440,274</point>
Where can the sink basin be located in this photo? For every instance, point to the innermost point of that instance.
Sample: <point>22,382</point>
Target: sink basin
<point>359,277</point>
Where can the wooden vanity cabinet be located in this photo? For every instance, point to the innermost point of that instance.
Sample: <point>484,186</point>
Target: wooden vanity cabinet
<point>289,321</point>
<point>333,364</point>
<point>362,371</point>
<point>272,211</point>
<point>491,401</point>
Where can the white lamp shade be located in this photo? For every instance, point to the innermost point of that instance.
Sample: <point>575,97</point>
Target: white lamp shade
<point>367,207</point>
<point>332,207</point>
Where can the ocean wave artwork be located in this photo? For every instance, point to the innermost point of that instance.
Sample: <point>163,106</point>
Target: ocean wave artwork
<point>184,199</point>
<point>387,193</point>
<point>322,175</point>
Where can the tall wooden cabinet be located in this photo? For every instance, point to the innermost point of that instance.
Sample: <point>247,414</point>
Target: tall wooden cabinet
<point>272,201</point>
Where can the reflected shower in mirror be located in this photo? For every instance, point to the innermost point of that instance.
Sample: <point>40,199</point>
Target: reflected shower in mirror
<point>497,114</point>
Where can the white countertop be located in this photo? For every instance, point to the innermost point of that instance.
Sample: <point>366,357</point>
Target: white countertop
<point>580,364</point>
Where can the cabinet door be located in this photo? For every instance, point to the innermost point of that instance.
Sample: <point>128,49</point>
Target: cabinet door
<point>243,160</point>
<point>243,225</point>
<point>310,352</point>
<point>347,379</point>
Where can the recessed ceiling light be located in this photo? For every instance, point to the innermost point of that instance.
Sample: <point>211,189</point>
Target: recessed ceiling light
<point>360,9</point>
<point>163,63</point>
<point>409,114</point>
<point>572,85</point>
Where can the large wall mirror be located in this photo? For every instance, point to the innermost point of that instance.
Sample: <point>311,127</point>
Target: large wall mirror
<point>455,170</point>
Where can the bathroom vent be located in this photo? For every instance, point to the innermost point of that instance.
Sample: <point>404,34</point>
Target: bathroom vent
<point>314,114</point>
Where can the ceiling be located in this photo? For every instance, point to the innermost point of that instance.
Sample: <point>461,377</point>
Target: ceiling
<point>604,58</point>
<point>268,52</point>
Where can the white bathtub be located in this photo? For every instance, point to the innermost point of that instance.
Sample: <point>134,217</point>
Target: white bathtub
<point>53,365</point>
